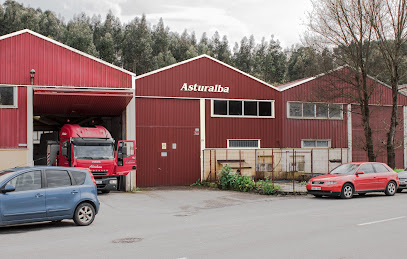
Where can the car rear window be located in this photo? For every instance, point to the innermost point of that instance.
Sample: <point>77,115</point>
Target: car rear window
<point>79,177</point>
<point>380,168</point>
<point>57,178</point>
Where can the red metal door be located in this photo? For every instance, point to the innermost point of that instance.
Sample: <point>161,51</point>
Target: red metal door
<point>168,142</point>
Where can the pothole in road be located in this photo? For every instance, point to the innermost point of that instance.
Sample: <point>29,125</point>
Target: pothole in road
<point>127,240</point>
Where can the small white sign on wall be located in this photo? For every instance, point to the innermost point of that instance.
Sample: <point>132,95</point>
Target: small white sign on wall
<point>174,145</point>
<point>163,154</point>
<point>163,145</point>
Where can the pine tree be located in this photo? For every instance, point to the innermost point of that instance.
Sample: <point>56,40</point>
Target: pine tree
<point>80,36</point>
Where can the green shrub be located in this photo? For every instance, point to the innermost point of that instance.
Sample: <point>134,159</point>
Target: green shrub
<point>225,179</point>
<point>242,183</point>
<point>266,187</point>
<point>228,181</point>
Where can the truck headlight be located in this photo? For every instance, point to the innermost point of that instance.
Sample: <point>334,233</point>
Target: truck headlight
<point>331,182</point>
<point>113,181</point>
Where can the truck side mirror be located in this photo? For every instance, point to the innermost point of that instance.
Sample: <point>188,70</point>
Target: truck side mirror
<point>64,149</point>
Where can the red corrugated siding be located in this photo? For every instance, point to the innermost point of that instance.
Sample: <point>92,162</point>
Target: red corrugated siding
<point>294,130</point>
<point>167,121</point>
<point>220,129</point>
<point>203,71</point>
<point>13,130</point>
<point>54,65</point>
<point>74,103</point>
<point>379,121</point>
<point>314,91</point>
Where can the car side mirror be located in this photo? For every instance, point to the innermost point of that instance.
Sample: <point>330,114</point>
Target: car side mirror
<point>360,172</point>
<point>8,188</point>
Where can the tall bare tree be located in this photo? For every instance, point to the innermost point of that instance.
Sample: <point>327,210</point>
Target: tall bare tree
<point>341,25</point>
<point>389,21</point>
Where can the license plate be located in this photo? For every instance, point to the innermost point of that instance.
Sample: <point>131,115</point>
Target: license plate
<point>98,182</point>
<point>314,188</point>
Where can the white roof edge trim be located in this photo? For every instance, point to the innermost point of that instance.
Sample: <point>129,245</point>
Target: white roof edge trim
<point>298,83</point>
<point>312,78</point>
<point>66,47</point>
<point>211,58</point>
<point>336,69</point>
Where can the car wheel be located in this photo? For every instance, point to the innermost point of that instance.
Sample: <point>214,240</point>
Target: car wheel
<point>347,191</point>
<point>391,188</point>
<point>84,214</point>
<point>105,191</point>
<point>399,190</point>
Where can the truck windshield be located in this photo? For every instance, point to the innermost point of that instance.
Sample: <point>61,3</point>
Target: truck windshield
<point>93,152</point>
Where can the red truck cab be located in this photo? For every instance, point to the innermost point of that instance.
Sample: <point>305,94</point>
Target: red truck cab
<point>93,148</point>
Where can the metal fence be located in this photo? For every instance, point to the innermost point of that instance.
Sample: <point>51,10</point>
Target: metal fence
<point>295,165</point>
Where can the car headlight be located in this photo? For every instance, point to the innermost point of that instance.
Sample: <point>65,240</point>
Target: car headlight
<point>113,181</point>
<point>331,182</point>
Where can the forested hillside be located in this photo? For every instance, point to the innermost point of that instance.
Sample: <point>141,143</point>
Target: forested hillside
<point>141,47</point>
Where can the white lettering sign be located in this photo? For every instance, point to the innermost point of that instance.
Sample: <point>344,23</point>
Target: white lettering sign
<point>205,88</point>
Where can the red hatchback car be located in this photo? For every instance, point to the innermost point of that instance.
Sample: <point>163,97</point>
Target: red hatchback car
<point>348,179</point>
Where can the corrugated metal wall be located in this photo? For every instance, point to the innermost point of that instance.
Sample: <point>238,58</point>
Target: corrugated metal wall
<point>206,72</point>
<point>379,121</point>
<point>54,65</point>
<point>294,130</point>
<point>220,129</point>
<point>168,121</point>
<point>13,121</point>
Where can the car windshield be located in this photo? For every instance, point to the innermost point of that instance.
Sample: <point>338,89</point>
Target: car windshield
<point>345,169</point>
<point>5,174</point>
<point>93,152</point>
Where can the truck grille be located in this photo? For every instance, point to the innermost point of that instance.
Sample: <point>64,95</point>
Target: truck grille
<point>99,173</point>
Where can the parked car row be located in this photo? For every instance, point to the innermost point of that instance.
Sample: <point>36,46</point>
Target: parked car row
<point>34,194</point>
<point>358,178</point>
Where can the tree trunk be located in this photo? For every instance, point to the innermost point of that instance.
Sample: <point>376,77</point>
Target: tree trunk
<point>368,132</point>
<point>391,155</point>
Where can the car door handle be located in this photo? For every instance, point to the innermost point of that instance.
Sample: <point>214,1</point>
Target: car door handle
<point>39,195</point>
<point>74,192</point>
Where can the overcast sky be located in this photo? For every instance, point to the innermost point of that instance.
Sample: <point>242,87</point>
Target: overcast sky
<point>234,18</point>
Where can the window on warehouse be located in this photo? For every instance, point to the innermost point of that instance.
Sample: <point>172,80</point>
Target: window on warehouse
<point>303,110</point>
<point>243,108</point>
<point>8,96</point>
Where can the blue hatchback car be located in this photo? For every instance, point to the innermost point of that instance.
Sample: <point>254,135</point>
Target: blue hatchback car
<point>47,193</point>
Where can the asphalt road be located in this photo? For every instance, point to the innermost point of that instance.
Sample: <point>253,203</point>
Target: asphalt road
<point>199,223</point>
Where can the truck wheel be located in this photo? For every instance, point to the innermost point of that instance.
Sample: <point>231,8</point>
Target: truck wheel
<point>105,191</point>
<point>84,214</point>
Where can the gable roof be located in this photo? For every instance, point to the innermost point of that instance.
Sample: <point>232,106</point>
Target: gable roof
<point>211,58</point>
<point>66,47</point>
<point>301,81</point>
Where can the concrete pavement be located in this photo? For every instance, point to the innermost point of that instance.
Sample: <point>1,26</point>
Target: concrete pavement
<point>201,223</point>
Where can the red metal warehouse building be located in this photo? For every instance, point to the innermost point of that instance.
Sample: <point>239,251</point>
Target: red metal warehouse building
<point>188,119</point>
<point>188,108</point>
<point>68,86</point>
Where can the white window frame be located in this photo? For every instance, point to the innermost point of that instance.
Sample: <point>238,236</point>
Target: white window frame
<point>243,116</point>
<point>315,111</point>
<point>15,98</point>
<point>258,146</point>
<point>302,143</point>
